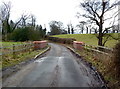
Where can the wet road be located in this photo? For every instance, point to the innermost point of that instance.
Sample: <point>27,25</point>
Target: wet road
<point>58,69</point>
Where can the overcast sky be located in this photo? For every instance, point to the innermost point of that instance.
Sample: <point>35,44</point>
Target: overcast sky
<point>46,10</point>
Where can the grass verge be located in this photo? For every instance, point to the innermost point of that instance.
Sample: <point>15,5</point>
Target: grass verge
<point>103,68</point>
<point>8,60</point>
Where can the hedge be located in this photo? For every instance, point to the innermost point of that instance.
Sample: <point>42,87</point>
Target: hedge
<point>61,40</point>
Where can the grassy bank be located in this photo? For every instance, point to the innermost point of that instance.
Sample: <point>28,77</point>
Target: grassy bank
<point>89,38</point>
<point>104,67</point>
<point>10,60</point>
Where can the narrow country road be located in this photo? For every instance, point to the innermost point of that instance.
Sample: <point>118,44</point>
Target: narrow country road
<point>58,69</point>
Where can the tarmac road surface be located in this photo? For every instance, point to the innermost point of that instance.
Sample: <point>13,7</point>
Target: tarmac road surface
<point>58,68</point>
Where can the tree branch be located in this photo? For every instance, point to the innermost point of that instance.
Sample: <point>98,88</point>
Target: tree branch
<point>106,39</point>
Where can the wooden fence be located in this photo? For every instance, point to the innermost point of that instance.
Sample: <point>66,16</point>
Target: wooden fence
<point>5,50</point>
<point>100,53</point>
<point>100,49</point>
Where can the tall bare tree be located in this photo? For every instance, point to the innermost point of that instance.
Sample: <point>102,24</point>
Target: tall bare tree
<point>68,28</point>
<point>56,28</point>
<point>33,20</point>
<point>72,29</point>
<point>5,10</point>
<point>24,19</point>
<point>95,11</point>
<point>81,25</point>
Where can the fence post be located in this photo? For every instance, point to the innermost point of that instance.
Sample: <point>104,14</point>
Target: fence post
<point>29,48</point>
<point>25,47</point>
<point>13,50</point>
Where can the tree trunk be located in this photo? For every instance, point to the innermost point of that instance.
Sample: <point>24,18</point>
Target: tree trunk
<point>100,40</point>
<point>8,27</point>
<point>100,36</point>
<point>113,31</point>
<point>106,31</point>
<point>90,30</point>
<point>86,30</point>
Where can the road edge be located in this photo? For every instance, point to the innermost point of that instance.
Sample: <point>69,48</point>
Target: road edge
<point>99,75</point>
<point>38,55</point>
<point>13,69</point>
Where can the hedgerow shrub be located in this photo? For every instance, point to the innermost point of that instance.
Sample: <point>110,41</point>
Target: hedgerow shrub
<point>116,61</point>
<point>61,40</point>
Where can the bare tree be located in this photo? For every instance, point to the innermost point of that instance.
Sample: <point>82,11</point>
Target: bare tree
<point>56,27</point>
<point>16,24</point>
<point>5,9</point>
<point>81,25</point>
<point>72,28</point>
<point>24,18</point>
<point>8,26</point>
<point>0,30</point>
<point>68,28</point>
<point>96,10</point>
<point>33,20</point>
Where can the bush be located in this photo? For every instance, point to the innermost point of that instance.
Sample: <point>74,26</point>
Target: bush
<point>24,34</point>
<point>19,35</point>
<point>116,61</point>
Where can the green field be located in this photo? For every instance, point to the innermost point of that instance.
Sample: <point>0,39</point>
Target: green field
<point>89,39</point>
<point>10,43</point>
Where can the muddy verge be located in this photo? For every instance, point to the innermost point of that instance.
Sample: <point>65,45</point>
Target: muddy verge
<point>91,67</point>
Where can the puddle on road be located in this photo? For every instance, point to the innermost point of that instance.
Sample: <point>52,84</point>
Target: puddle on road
<point>40,60</point>
<point>43,59</point>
